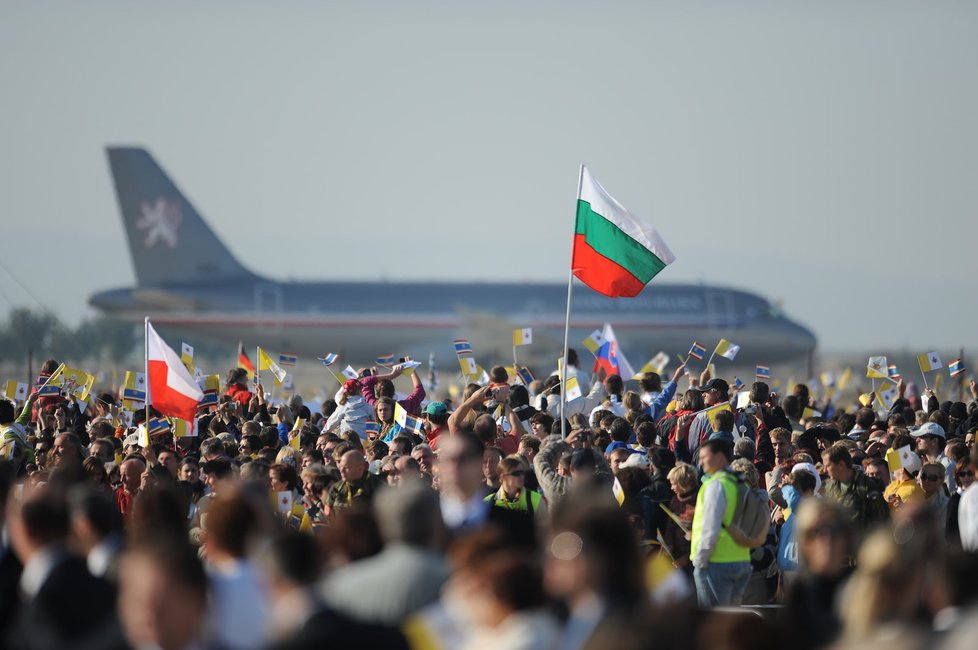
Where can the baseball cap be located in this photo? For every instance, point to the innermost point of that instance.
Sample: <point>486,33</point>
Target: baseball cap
<point>436,408</point>
<point>636,460</point>
<point>618,444</point>
<point>715,384</point>
<point>929,429</point>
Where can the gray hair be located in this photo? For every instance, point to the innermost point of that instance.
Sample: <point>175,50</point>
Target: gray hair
<point>745,448</point>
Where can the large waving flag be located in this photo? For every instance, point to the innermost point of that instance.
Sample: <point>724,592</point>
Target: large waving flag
<point>172,390</point>
<point>609,359</point>
<point>614,252</point>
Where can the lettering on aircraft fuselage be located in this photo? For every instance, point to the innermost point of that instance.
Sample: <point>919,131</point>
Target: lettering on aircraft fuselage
<point>650,303</point>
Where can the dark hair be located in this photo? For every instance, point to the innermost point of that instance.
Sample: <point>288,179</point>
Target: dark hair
<point>720,446</point>
<point>531,441</point>
<point>543,419</point>
<point>253,441</point>
<point>792,406</point>
<point>620,430</point>
<point>219,468</point>
<point>236,376</point>
<point>177,559</point>
<point>45,516</point>
<point>803,481</point>
<point>865,418</point>
<point>662,459</point>
<point>759,392</point>
<point>572,359</point>
<point>286,474</point>
<point>645,433</point>
<point>518,396</point>
<point>651,382</point>
<point>614,384</point>
<point>514,579</point>
<point>269,437</point>
<point>724,421</point>
<point>294,557</point>
<point>498,375</point>
<point>96,507</point>
<point>7,411</point>
<point>838,453</point>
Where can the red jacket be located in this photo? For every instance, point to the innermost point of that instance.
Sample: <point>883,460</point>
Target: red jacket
<point>239,394</point>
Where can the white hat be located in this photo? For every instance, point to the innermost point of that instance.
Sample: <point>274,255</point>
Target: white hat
<point>131,440</point>
<point>808,467</point>
<point>636,460</point>
<point>929,429</point>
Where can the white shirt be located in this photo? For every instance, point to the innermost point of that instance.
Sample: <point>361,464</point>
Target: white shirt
<point>456,512</point>
<point>968,518</point>
<point>39,568</point>
<point>101,555</point>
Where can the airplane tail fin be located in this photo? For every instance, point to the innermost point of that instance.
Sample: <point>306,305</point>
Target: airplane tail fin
<point>168,240</point>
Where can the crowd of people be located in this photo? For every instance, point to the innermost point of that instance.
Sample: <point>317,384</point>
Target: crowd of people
<point>669,512</point>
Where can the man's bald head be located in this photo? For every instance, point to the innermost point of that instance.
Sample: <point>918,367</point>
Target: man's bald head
<point>352,465</point>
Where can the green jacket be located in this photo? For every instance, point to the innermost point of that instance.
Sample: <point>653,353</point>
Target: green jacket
<point>343,494</point>
<point>862,498</point>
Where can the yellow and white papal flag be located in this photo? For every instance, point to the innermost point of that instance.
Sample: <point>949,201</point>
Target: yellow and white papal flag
<point>523,336</point>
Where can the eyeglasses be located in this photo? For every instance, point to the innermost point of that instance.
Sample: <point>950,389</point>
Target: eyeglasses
<point>930,477</point>
<point>965,473</point>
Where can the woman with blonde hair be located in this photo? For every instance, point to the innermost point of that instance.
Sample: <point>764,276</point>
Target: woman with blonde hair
<point>885,592</point>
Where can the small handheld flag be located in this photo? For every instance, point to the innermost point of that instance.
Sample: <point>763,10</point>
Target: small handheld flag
<point>134,389</point>
<point>328,359</point>
<point>287,359</point>
<point>372,428</point>
<point>956,367</point>
<point>697,351</point>
<point>468,365</point>
<point>53,387</point>
<point>763,372</point>
<point>350,373</point>
<point>726,349</point>
<point>525,375</point>
<point>594,341</point>
<point>385,359</point>
<point>16,390</point>
<point>462,346</point>
<point>737,383</point>
<point>930,361</point>
<point>211,385</point>
<point>892,372</point>
<point>523,336</point>
<point>187,355</point>
<point>572,389</point>
<point>828,380</point>
<point>876,368</point>
<point>244,361</point>
<point>265,363</point>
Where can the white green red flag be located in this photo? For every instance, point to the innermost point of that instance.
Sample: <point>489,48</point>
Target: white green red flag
<point>615,253</point>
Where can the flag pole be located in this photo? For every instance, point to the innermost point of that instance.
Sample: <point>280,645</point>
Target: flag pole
<point>146,373</point>
<point>516,364</point>
<point>258,367</point>
<point>570,287</point>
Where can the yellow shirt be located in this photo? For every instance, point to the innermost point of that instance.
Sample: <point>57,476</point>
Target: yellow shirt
<point>907,490</point>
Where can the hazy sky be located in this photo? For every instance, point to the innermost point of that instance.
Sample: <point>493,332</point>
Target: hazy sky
<point>821,153</point>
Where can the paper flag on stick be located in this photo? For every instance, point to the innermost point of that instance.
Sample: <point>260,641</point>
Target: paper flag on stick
<point>877,368</point>
<point>265,362</point>
<point>930,361</point>
<point>573,389</point>
<point>726,349</point>
<point>523,336</point>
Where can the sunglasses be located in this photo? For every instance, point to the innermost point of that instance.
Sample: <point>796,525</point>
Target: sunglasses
<point>930,477</point>
<point>966,473</point>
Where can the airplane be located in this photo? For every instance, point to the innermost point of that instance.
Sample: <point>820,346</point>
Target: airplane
<point>189,283</point>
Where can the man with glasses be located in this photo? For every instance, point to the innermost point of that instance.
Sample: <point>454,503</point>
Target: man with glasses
<point>930,444</point>
<point>860,495</point>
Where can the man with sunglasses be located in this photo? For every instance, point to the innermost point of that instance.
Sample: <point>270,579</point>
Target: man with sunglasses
<point>930,444</point>
<point>931,478</point>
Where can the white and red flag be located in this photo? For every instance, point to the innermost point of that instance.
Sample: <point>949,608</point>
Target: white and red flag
<point>172,390</point>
